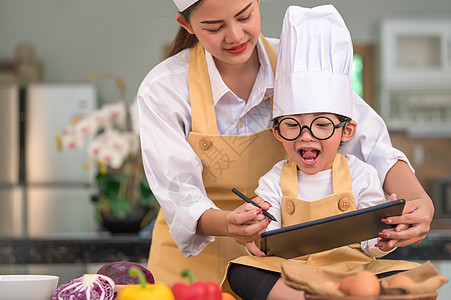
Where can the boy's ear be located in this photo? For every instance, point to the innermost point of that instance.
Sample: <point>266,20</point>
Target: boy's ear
<point>277,135</point>
<point>184,23</point>
<point>349,131</point>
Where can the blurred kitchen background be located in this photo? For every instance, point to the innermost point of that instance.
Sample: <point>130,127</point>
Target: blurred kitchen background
<point>403,52</point>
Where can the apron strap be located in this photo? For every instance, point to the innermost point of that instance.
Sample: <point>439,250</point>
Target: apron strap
<point>341,176</point>
<point>202,108</point>
<point>271,52</point>
<point>289,180</point>
<point>203,114</point>
<point>272,56</point>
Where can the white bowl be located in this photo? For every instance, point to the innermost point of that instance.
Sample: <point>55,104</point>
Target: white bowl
<point>27,287</point>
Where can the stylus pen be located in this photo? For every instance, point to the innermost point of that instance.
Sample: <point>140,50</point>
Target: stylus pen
<point>239,194</point>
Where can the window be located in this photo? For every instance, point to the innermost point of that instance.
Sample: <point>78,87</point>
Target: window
<point>362,74</point>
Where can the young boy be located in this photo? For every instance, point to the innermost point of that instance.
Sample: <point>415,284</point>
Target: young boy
<point>312,113</point>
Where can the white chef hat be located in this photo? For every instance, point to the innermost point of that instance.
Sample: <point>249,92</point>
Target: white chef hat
<point>184,4</point>
<point>314,63</point>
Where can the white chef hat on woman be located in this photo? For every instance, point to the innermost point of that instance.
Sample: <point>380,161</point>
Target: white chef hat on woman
<point>314,63</point>
<point>184,4</point>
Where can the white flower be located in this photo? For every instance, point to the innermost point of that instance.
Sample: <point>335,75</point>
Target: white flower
<point>133,141</point>
<point>102,118</point>
<point>109,141</point>
<point>111,147</point>
<point>96,145</point>
<point>71,139</point>
<point>110,157</point>
<point>87,126</point>
<point>115,113</point>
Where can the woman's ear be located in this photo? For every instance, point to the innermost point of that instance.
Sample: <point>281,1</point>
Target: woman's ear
<point>349,131</point>
<point>184,23</point>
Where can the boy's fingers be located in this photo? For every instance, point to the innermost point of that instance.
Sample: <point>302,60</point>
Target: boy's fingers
<point>254,249</point>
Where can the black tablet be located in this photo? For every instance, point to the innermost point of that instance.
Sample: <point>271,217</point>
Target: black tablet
<point>331,232</point>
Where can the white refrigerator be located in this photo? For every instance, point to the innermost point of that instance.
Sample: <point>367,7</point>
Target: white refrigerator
<point>44,192</point>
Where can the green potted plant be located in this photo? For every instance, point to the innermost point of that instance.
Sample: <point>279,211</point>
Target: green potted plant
<point>124,201</point>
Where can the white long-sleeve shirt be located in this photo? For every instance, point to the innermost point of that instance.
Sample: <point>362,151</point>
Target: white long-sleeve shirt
<point>366,189</point>
<point>173,170</point>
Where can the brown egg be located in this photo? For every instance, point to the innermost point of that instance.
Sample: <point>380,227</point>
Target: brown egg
<point>365,283</point>
<point>345,284</point>
<point>400,279</point>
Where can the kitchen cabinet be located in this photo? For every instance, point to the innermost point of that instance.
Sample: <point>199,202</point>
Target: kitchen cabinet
<point>415,93</point>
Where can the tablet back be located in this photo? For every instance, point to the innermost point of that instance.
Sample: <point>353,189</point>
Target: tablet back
<point>328,233</point>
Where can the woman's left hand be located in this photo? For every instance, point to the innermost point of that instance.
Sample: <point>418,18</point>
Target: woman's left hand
<point>412,226</point>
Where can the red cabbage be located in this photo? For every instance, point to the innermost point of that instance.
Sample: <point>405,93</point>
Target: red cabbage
<point>118,271</point>
<point>86,287</point>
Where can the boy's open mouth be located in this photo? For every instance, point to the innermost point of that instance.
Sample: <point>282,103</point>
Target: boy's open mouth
<point>309,156</point>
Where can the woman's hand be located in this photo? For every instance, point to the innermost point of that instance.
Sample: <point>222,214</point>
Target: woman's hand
<point>246,223</point>
<point>413,224</point>
<point>415,221</point>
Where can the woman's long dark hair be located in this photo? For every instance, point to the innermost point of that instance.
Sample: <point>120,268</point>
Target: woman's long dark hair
<point>183,39</point>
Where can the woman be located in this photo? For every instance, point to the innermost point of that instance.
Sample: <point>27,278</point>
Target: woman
<point>205,115</point>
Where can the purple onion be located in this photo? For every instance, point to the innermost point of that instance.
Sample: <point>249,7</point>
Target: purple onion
<point>118,271</point>
<point>86,287</point>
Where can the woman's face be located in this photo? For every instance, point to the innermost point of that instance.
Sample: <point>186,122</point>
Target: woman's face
<point>229,30</point>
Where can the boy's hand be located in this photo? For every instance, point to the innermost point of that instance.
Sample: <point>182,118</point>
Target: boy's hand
<point>381,244</point>
<point>254,248</point>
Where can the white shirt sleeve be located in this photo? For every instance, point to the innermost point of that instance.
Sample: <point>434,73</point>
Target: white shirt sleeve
<point>173,170</point>
<point>367,190</point>
<point>372,142</point>
<point>269,190</point>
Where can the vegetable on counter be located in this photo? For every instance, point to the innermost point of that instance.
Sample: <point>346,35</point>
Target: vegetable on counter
<point>86,287</point>
<point>144,291</point>
<point>118,271</point>
<point>197,290</point>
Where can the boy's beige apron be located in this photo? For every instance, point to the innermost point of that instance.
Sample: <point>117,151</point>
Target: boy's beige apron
<point>347,258</point>
<point>228,161</point>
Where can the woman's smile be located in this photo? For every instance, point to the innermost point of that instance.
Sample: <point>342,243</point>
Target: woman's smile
<point>237,49</point>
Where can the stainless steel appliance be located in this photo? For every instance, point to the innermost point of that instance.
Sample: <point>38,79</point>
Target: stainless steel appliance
<point>42,191</point>
<point>11,192</point>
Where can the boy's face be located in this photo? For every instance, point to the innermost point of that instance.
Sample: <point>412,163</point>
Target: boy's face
<point>310,154</point>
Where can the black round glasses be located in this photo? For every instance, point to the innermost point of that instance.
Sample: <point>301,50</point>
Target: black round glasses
<point>321,128</point>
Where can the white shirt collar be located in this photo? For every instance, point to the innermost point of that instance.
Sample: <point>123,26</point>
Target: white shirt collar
<point>219,88</point>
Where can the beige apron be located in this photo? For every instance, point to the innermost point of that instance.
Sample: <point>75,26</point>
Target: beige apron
<point>228,161</point>
<point>347,258</point>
